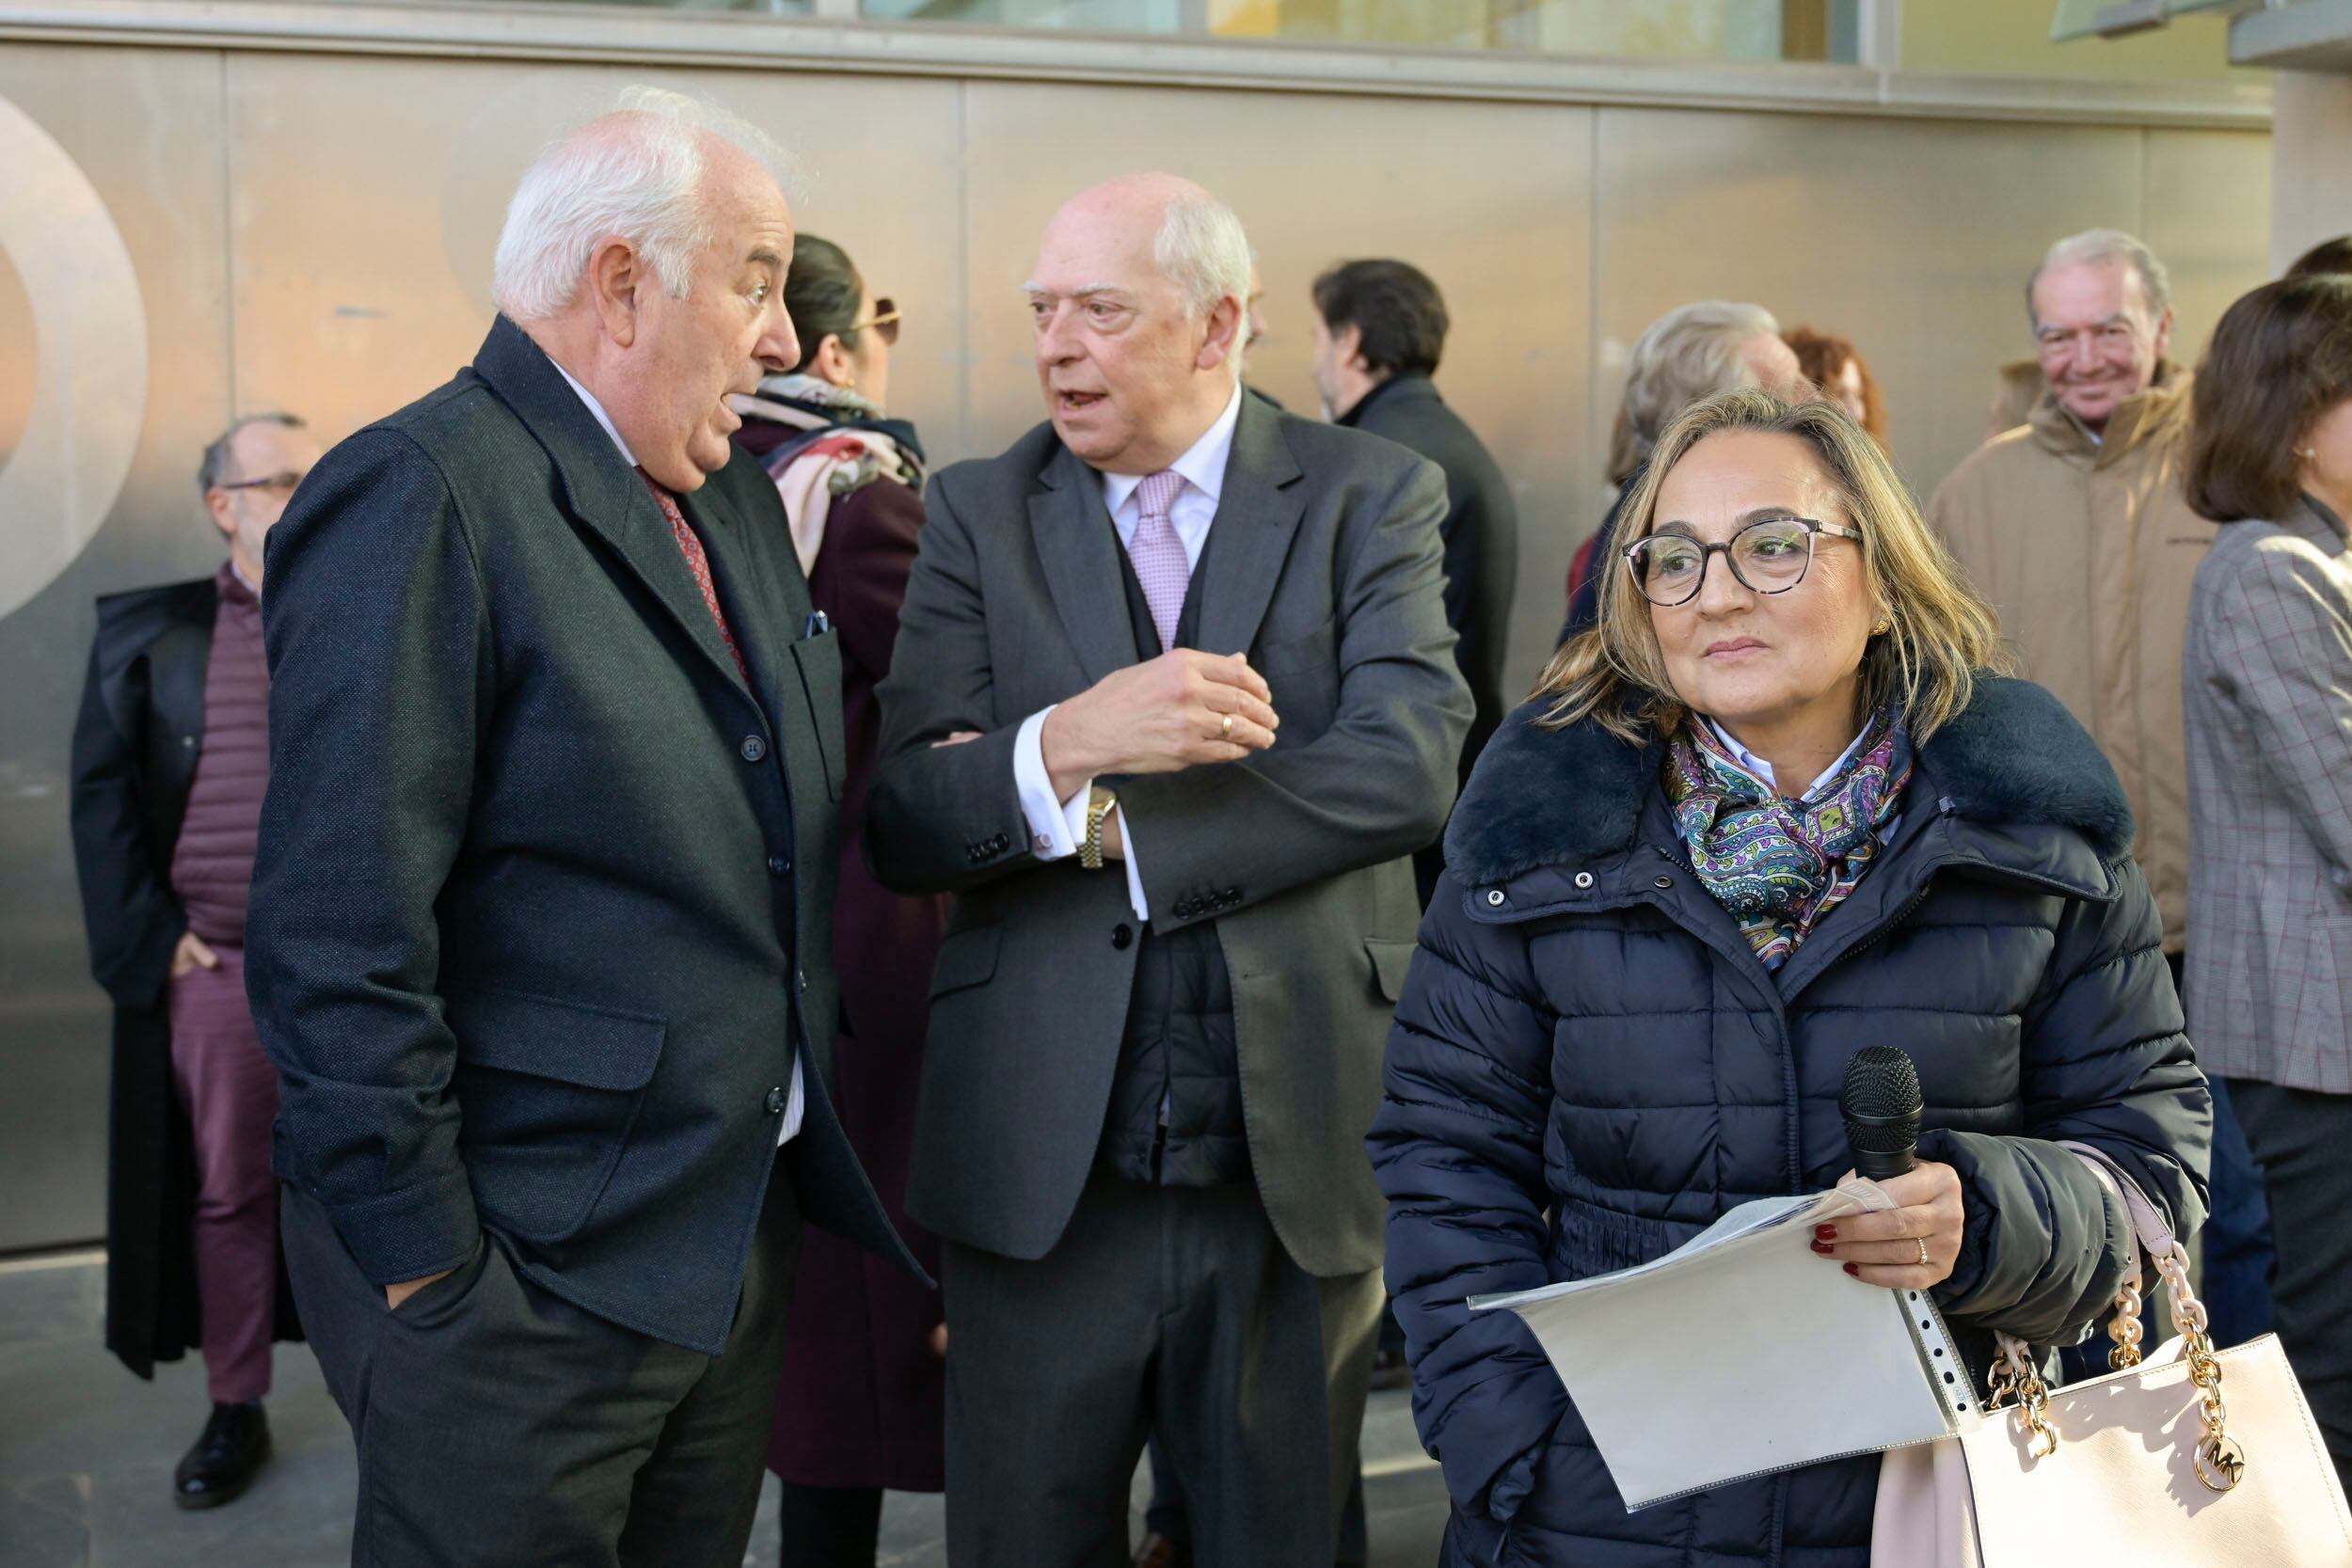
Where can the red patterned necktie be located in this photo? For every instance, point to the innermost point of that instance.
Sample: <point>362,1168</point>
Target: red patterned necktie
<point>691,545</point>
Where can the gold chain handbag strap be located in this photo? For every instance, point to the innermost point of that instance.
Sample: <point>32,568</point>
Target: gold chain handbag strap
<point>2220,1462</point>
<point>2014,1381</point>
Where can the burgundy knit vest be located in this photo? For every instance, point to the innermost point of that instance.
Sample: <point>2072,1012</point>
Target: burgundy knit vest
<point>211,866</point>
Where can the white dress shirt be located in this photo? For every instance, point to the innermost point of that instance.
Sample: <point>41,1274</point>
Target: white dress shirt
<point>796,1107</point>
<point>1763,771</point>
<point>1056,827</point>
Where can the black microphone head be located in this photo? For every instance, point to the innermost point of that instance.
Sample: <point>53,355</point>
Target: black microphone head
<point>1881,1104</point>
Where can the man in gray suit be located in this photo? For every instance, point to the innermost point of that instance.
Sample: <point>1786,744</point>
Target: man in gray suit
<point>1177,630</point>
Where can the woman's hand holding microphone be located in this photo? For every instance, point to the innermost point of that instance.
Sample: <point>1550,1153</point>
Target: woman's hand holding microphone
<point>1914,1244</point>
<point>1909,1247</point>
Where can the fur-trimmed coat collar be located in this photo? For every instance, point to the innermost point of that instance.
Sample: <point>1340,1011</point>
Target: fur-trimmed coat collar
<point>2013,757</point>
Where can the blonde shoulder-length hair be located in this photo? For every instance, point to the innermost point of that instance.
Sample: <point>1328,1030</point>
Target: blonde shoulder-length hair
<point>1940,632</point>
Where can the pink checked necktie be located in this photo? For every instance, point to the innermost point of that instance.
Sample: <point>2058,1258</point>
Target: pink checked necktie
<point>691,545</point>
<point>1159,555</point>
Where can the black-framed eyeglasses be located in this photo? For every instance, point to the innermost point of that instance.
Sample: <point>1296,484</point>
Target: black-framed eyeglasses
<point>280,484</point>
<point>1767,556</point>
<point>885,321</point>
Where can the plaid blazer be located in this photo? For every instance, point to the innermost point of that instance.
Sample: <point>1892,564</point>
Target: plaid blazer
<point>2268,690</point>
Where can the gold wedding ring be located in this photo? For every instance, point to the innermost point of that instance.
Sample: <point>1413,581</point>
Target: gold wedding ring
<point>1225,729</point>
<point>1923,1250</point>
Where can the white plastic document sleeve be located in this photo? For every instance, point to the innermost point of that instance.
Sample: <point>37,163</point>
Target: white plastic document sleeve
<point>1743,1352</point>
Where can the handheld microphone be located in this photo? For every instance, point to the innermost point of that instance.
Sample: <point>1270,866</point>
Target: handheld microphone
<point>1881,1103</point>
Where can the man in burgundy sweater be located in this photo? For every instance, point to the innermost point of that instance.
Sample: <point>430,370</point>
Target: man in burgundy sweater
<point>170,757</point>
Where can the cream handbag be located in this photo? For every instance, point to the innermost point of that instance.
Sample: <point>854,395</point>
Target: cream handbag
<point>2147,1465</point>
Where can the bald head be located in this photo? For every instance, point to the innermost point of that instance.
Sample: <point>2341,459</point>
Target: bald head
<point>1138,298</point>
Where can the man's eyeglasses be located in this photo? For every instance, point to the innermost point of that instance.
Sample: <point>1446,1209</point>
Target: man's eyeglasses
<point>279,485</point>
<point>1769,556</point>
<point>885,321</point>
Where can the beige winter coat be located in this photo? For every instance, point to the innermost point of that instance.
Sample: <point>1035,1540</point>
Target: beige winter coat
<point>2088,549</point>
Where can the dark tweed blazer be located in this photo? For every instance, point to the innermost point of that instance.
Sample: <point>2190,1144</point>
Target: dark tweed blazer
<point>1325,568</point>
<point>542,913</point>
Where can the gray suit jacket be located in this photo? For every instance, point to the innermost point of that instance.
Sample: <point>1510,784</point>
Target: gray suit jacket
<point>1325,567</point>
<point>2269,699</point>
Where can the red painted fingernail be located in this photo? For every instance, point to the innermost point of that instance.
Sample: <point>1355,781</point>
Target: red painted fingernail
<point>1825,1249</point>
<point>1852,1270</point>
<point>1826,1233</point>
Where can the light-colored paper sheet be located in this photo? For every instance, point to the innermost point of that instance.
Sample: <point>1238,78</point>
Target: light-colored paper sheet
<point>1743,1352</point>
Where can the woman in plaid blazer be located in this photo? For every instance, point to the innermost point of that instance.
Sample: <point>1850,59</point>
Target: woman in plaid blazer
<point>2269,715</point>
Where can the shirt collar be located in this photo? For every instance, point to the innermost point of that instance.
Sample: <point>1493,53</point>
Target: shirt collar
<point>1763,769</point>
<point>597,409</point>
<point>1202,466</point>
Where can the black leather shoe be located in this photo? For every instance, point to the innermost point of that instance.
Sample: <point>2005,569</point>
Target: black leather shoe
<point>225,1460</point>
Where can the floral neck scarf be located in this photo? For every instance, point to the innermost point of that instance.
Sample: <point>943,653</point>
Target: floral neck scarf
<point>1778,865</point>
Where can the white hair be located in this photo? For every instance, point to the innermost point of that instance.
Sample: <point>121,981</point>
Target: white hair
<point>2107,245</point>
<point>1201,249</point>
<point>634,172</point>
<point>1690,353</point>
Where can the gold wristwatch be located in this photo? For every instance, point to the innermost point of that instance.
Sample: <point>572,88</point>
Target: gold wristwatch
<point>1099,804</point>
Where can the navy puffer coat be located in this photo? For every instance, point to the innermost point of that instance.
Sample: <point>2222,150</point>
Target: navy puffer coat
<point>1589,1066</point>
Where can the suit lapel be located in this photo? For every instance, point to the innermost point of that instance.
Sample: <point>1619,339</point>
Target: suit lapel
<point>1257,514</point>
<point>601,491</point>
<point>1078,553</point>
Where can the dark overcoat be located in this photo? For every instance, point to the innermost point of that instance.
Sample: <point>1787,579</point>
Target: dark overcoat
<point>862,1400</point>
<point>1589,1066</point>
<point>542,915</point>
<point>1480,536</point>
<point>136,743</point>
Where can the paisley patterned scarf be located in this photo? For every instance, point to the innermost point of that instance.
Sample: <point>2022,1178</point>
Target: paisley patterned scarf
<point>1778,865</point>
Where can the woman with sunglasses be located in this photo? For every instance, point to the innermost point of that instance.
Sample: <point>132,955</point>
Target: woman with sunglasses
<point>860,1404</point>
<point>1778,805</point>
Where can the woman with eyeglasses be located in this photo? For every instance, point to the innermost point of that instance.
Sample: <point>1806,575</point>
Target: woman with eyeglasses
<point>1778,805</point>
<point>860,1406</point>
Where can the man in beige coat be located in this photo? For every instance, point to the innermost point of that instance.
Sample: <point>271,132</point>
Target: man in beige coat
<point>2075,526</point>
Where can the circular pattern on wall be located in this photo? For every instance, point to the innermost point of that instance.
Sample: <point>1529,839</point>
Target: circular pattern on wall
<point>17,375</point>
<point>88,384</point>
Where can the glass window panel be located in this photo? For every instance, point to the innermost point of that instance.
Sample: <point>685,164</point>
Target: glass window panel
<point>758,8</point>
<point>1085,16</point>
<point>1654,29</point>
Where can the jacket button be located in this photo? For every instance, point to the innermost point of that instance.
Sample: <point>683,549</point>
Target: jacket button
<point>780,864</point>
<point>1494,896</point>
<point>1121,937</point>
<point>775,1102</point>
<point>1584,878</point>
<point>1663,881</point>
<point>799,981</point>
<point>752,748</point>
<point>187,743</point>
